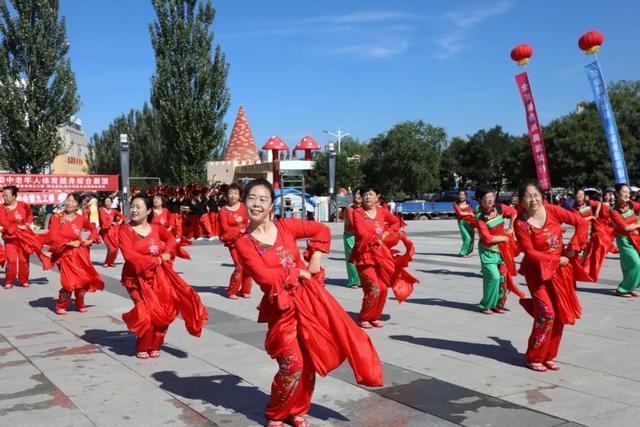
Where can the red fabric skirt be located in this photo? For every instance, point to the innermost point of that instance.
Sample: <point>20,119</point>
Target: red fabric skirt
<point>326,331</point>
<point>164,296</point>
<point>77,271</point>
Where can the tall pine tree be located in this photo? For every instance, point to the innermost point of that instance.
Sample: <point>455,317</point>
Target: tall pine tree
<point>189,92</point>
<point>37,86</point>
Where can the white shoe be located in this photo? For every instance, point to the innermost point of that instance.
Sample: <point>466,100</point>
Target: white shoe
<point>211,239</point>
<point>199,238</point>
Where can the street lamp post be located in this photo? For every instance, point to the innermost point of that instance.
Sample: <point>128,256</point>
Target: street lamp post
<point>338,135</point>
<point>331,181</point>
<point>124,171</point>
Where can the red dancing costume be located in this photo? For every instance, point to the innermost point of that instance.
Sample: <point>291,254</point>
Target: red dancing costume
<point>309,332</point>
<point>77,273</point>
<point>378,267</point>
<point>110,221</point>
<point>232,226</point>
<point>20,244</point>
<point>602,239</point>
<point>553,301</point>
<point>162,219</point>
<point>159,294</point>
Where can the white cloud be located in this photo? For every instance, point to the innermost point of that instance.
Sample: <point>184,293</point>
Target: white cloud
<point>367,17</point>
<point>461,25</point>
<point>374,51</point>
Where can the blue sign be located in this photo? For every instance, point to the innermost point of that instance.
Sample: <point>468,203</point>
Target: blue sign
<point>594,74</point>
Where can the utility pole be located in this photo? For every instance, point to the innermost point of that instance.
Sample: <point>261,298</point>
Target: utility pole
<point>124,172</point>
<point>338,135</point>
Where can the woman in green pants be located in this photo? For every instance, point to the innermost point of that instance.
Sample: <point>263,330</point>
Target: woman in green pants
<point>464,215</point>
<point>624,215</point>
<point>350,240</point>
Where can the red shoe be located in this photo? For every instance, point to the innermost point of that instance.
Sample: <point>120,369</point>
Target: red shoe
<point>61,311</point>
<point>233,296</point>
<point>499,310</point>
<point>154,354</point>
<point>298,421</point>
<point>624,295</point>
<point>376,324</point>
<point>142,355</point>
<point>246,296</point>
<point>487,311</point>
<point>365,325</point>
<point>536,366</point>
<point>8,286</point>
<point>25,285</point>
<point>83,309</point>
<point>551,366</point>
<point>634,294</point>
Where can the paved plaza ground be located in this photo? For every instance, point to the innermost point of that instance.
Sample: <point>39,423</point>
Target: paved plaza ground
<point>445,362</point>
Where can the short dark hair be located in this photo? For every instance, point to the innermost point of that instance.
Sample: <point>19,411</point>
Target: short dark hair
<point>527,184</point>
<point>233,186</point>
<point>12,188</point>
<point>366,188</point>
<point>482,190</point>
<point>619,186</point>
<point>148,202</point>
<point>77,197</point>
<point>257,183</point>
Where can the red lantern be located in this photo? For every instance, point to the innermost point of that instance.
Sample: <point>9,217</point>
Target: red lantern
<point>590,42</point>
<point>522,53</point>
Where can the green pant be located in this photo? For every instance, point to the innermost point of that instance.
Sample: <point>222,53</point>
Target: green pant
<point>467,233</point>
<point>630,263</point>
<point>492,291</point>
<point>349,242</point>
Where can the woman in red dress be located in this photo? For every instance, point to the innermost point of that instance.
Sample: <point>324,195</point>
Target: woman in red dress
<point>601,233</point>
<point>376,230</point>
<point>550,270</point>
<point>19,239</point>
<point>161,215</point>
<point>234,220</point>
<point>309,332</point>
<point>71,254</point>
<point>158,293</point>
<point>110,221</point>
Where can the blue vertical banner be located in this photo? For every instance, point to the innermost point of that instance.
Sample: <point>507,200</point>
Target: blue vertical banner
<point>594,74</point>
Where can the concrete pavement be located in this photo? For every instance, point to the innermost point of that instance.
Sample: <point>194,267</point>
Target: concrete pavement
<point>445,363</point>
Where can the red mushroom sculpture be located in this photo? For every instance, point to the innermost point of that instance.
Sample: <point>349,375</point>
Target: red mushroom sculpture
<point>591,41</point>
<point>522,53</point>
<point>307,144</point>
<point>275,144</point>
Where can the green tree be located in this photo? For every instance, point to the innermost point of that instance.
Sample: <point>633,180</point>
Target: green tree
<point>453,174</point>
<point>37,86</point>
<point>576,144</point>
<point>189,93</point>
<point>145,146</point>
<point>487,157</point>
<point>406,159</point>
<point>348,167</point>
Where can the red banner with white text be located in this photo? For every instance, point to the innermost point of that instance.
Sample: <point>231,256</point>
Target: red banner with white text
<point>66,183</point>
<point>535,133</point>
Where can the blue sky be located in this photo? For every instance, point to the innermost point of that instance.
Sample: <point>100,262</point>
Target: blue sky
<point>299,67</point>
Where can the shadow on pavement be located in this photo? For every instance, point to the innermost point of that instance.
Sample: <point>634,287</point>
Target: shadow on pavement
<point>446,272</point>
<point>122,343</point>
<point>603,291</point>
<point>504,351</point>
<point>44,302</point>
<point>354,316</point>
<point>220,290</point>
<point>39,281</point>
<point>444,303</point>
<point>226,391</point>
<point>449,254</point>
